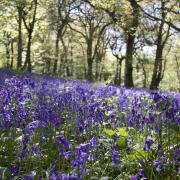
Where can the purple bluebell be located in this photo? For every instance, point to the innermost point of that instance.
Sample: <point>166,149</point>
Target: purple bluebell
<point>75,176</point>
<point>93,142</point>
<point>176,156</point>
<point>91,157</point>
<point>157,164</point>
<point>65,143</point>
<point>29,176</point>
<point>37,150</point>
<point>54,176</point>
<point>141,172</point>
<point>156,96</point>
<point>148,144</point>
<point>32,126</point>
<point>75,163</point>
<point>134,178</point>
<point>158,168</point>
<point>25,140</point>
<point>67,155</point>
<point>115,156</point>
<point>14,170</point>
<point>64,176</point>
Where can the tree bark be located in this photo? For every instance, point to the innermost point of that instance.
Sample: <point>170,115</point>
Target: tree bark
<point>71,62</point>
<point>7,56</point>
<point>19,56</point>
<point>12,53</point>
<point>158,65</point>
<point>30,28</point>
<point>7,43</point>
<point>178,71</point>
<point>28,53</point>
<point>89,60</point>
<point>117,79</point>
<point>128,80</point>
<point>157,71</point>
<point>56,53</point>
<point>63,63</point>
<point>97,69</point>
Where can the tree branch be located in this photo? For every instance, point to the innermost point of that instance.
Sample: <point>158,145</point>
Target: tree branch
<point>77,31</point>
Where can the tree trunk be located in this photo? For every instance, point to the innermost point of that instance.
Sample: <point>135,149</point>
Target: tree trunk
<point>117,79</point>
<point>116,82</point>
<point>12,53</point>
<point>64,60</point>
<point>56,54</point>
<point>158,65</point>
<point>90,73</point>
<point>157,71</point>
<point>97,68</point>
<point>120,69</point>
<point>19,56</point>
<point>101,73</point>
<point>128,80</point>
<point>7,43</point>
<point>71,62</point>
<point>28,64</point>
<point>30,28</point>
<point>89,60</point>
<point>145,76</point>
<point>178,71</point>
<point>7,56</point>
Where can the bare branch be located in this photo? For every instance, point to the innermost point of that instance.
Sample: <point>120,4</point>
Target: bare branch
<point>77,31</point>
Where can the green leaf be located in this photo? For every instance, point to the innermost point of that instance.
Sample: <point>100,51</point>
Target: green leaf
<point>140,153</point>
<point>109,132</point>
<point>122,132</point>
<point>122,142</point>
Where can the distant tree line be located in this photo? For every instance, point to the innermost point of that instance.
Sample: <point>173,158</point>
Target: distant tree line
<point>77,38</point>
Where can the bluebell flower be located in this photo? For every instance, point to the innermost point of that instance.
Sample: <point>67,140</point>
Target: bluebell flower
<point>61,139</point>
<point>64,176</point>
<point>157,164</point>
<point>134,178</point>
<point>75,176</point>
<point>53,172</point>
<point>14,170</point>
<point>115,156</point>
<point>83,147</point>
<point>75,163</point>
<point>158,168</point>
<point>25,140</point>
<point>148,144</point>
<point>156,96</point>
<point>141,172</point>
<point>177,156</point>
<point>137,117</point>
<point>81,126</point>
<point>32,126</point>
<point>115,137</point>
<point>22,156</point>
<point>93,142</point>
<point>83,157</point>
<point>144,121</point>
<point>91,157</point>
<point>54,176</point>
<point>130,121</point>
<point>29,176</point>
<point>67,155</point>
<point>37,150</point>
<point>142,162</point>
